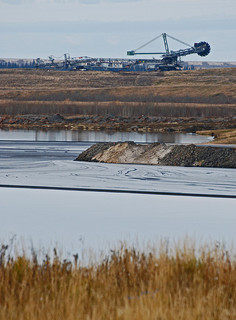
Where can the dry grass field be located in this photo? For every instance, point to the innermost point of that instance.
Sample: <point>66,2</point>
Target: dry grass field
<point>225,136</point>
<point>204,98</point>
<point>162,284</point>
<point>201,86</point>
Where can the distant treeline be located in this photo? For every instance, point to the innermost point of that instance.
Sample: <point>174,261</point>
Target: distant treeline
<point>17,64</point>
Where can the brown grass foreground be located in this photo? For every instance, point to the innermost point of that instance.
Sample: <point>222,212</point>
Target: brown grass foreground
<point>181,284</point>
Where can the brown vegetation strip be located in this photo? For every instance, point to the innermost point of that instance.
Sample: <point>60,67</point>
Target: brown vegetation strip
<point>159,283</point>
<point>117,108</point>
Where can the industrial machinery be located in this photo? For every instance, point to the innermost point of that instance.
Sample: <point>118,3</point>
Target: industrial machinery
<point>170,60</point>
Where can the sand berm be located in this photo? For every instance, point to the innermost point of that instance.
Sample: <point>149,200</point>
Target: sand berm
<point>161,154</point>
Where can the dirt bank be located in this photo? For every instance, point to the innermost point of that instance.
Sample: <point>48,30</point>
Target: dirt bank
<point>160,154</point>
<point>111,122</point>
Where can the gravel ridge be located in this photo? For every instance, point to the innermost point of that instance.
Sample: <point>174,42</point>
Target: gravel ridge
<point>175,155</point>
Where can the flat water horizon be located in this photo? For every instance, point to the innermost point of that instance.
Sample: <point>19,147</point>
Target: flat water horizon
<point>100,136</point>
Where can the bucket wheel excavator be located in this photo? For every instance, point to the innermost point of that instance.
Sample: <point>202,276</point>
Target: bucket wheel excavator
<point>171,60</point>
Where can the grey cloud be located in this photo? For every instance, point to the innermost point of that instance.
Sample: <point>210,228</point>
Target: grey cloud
<point>14,2</point>
<point>152,27</point>
<point>94,1</point>
<point>88,2</point>
<point>77,1</point>
<point>111,39</point>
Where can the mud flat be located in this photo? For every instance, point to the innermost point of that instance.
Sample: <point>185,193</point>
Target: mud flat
<point>160,154</point>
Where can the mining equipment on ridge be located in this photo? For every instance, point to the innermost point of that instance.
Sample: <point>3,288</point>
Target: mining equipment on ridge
<point>170,60</point>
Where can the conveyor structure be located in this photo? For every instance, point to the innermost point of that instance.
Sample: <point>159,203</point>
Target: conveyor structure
<point>169,60</point>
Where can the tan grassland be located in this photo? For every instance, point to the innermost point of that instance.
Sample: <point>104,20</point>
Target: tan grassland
<point>163,284</point>
<point>225,136</point>
<point>177,101</point>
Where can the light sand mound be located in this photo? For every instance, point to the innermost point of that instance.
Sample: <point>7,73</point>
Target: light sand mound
<point>129,152</point>
<point>161,154</point>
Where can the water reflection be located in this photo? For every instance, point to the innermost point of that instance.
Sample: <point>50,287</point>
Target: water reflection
<point>101,136</point>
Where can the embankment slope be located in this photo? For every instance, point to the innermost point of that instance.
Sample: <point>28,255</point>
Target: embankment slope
<point>161,154</point>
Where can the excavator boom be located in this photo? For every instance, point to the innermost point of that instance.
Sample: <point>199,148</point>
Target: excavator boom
<point>170,57</point>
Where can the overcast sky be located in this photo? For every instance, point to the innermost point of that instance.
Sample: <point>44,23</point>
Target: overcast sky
<point>108,28</point>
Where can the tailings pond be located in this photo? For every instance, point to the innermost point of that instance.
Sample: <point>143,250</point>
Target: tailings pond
<point>76,220</point>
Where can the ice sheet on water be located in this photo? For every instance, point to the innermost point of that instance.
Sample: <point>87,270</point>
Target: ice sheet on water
<point>66,173</point>
<point>101,219</point>
<point>51,164</point>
